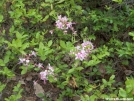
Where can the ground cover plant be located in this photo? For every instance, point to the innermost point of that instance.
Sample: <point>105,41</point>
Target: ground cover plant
<point>66,50</point>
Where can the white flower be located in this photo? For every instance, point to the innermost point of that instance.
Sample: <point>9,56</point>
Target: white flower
<point>40,65</point>
<point>22,60</point>
<point>33,53</point>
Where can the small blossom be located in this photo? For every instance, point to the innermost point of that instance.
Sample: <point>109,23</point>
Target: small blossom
<point>81,55</point>
<point>81,51</point>
<point>22,60</point>
<point>51,31</point>
<point>43,75</point>
<point>63,24</point>
<point>69,24</point>
<point>49,72</point>
<point>40,65</point>
<point>50,68</point>
<point>27,61</point>
<point>33,53</point>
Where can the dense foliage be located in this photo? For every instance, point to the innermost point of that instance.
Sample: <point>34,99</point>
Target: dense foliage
<point>83,48</point>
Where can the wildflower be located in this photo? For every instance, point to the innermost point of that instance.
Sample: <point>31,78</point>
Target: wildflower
<point>22,60</point>
<point>81,51</point>
<point>49,72</point>
<point>33,53</point>
<point>69,24</point>
<point>51,31</point>
<point>81,55</point>
<point>63,24</point>
<point>40,65</point>
<point>50,68</point>
<point>43,76</point>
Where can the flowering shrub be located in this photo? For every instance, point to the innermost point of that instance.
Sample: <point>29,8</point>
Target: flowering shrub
<point>63,24</point>
<point>80,70</point>
<point>45,74</point>
<point>82,51</point>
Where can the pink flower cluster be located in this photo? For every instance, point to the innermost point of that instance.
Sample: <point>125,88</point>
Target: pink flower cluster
<point>44,75</point>
<point>63,24</point>
<point>26,60</point>
<point>81,52</point>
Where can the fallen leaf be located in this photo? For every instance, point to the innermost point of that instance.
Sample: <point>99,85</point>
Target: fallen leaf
<point>29,78</point>
<point>22,82</point>
<point>38,89</point>
<point>128,72</point>
<point>102,69</point>
<point>30,99</point>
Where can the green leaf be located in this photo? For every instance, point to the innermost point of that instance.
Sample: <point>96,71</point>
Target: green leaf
<point>112,77</point>
<point>24,71</point>
<point>93,97</point>
<point>71,70</point>
<point>104,82</point>
<point>2,62</point>
<point>7,72</point>
<point>6,58</point>
<point>46,17</point>
<point>1,18</point>
<point>131,34</point>
<point>62,44</point>
<point>51,1</point>
<point>118,1</point>
<point>60,1</point>
<point>2,86</point>
<point>49,43</point>
<point>41,46</point>
<point>122,93</point>
<point>79,68</point>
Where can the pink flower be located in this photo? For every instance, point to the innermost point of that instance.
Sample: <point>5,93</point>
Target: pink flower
<point>40,65</point>
<point>81,55</point>
<point>69,24</point>
<point>63,24</point>
<point>22,60</point>
<point>59,24</point>
<point>81,51</point>
<point>49,72</point>
<point>64,19</point>
<point>43,75</point>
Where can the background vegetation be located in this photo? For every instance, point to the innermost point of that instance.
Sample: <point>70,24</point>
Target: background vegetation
<point>31,43</point>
